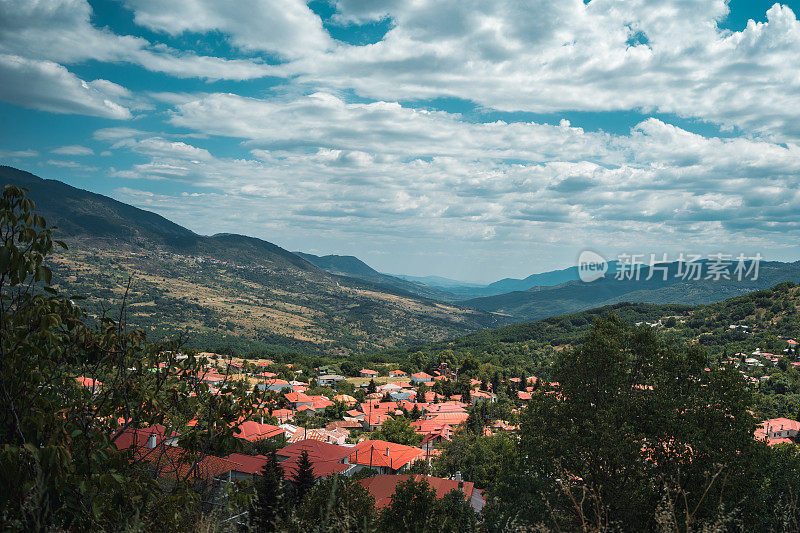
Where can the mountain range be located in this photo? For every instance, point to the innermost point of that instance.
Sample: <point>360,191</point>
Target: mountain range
<point>226,291</point>
<point>234,292</point>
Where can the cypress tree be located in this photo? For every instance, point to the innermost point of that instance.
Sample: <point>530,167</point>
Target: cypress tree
<point>304,476</point>
<point>266,508</point>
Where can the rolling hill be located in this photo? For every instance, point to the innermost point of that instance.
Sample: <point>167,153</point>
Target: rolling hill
<point>353,267</point>
<point>541,302</point>
<point>225,292</point>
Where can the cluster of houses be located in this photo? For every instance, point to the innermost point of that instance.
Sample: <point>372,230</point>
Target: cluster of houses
<point>389,461</point>
<point>758,359</point>
<point>342,446</point>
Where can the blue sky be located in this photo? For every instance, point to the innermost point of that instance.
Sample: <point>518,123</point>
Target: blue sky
<point>474,140</point>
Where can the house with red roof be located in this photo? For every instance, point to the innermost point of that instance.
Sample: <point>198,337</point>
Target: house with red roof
<point>385,457</point>
<point>248,466</point>
<point>355,414</point>
<point>446,407</point>
<point>374,421</point>
<point>151,436</point>
<point>397,373</point>
<point>421,377</point>
<point>325,458</point>
<point>173,462</point>
<point>344,424</point>
<point>299,399</point>
<point>382,487</point>
<point>276,385</point>
<point>345,399</point>
<point>319,403</point>
<point>283,415</point>
<point>252,431</point>
<point>94,385</point>
<point>777,430</point>
<point>367,373</point>
<point>483,396</point>
<point>452,419</point>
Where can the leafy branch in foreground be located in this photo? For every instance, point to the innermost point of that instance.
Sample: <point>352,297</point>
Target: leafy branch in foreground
<point>70,391</point>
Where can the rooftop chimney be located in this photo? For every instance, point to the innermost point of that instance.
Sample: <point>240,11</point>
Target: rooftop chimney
<point>152,440</point>
<point>458,476</point>
<point>387,451</point>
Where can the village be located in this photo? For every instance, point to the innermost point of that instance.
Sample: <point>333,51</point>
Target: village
<point>337,431</point>
<point>380,426</point>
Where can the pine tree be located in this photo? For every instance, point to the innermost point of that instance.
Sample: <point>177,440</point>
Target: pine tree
<point>265,511</point>
<point>304,477</point>
<point>466,397</point>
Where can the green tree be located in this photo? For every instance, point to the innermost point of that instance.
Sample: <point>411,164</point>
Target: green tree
<point>453,514</point>
<point>59,466</point>
<point>337,503</point>
<point>635,418</point>
<point>398,431</point>
<point>266,510</point>
<point>480,459</point>
<point>411,507</point>
<point>304,477</point>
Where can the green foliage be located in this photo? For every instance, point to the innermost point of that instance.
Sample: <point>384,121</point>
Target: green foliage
<point>337,503</point>
<point>364,473</point>
<point>268,507</point>
<point>410,507</point>
<point>634,418</point>
<point>414,508</point>
<point>399,431</point>
<point>304,477</point>
<point>454,514</point>
<point>480,459</point>
<point>59,467</point>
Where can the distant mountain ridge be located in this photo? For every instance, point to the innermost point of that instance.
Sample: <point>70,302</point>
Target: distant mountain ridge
<point>572,296</point>
<point>350,266</point>
<point>230,285</point>
<point>224,288</point>
<point>438,281</point>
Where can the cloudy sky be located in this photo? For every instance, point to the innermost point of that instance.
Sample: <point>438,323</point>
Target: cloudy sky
<point>467,138</point>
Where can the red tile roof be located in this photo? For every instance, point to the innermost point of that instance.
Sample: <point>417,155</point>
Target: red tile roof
<point>382,486</point>
<point>321,468</point>
<point>139,436</point>
<point>90,383</point>
<point>252,431</point>
<point>249,464</point>
<point>343,424</point>
<point>175,462</point>
<point>381,453</point>
<point>453,419</point>
<point>297,397</point>
<point>318,451</point>
<point>320,402</point>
